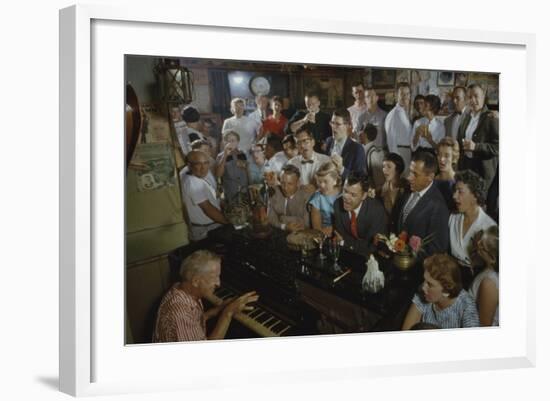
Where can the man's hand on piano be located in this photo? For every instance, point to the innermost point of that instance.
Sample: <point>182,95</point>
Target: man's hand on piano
<point>241,303</point>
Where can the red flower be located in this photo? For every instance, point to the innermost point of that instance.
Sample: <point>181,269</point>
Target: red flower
<point>399,245</point>
<point>415,243</point>
<point>403,236</point>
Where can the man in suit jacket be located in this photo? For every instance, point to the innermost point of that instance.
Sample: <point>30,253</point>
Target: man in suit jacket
<point>423,211</point>
<point>453,121</point>
<point>347,154</point>
<point>288,206</point>
<point>357,217</point>
<point>478,137</point>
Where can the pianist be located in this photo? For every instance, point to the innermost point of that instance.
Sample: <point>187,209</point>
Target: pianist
<point>181,316</point>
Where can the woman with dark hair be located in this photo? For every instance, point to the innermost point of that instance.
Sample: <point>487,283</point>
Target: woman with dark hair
<point>428,130</point>
<point>394,186</point>
<point>442,301</point>
<point>469,197</point>
<point>275,123</point>
<point>484,288</point>
<point>447,151</point>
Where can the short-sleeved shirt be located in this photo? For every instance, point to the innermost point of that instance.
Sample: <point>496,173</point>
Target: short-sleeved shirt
<point>276,127</point>
<point>324,203</point>
<point>462,313</point>
<point>180,317</point>
<point>194,191</point>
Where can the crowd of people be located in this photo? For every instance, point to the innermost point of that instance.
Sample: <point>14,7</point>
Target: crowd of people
<point>353,174</point>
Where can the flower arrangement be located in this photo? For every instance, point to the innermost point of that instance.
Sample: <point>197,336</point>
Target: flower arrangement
<point>402,244</point>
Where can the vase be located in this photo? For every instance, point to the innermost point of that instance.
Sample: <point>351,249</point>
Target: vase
<point>403,262</point>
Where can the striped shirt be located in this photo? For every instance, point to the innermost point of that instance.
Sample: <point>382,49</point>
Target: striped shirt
<point>180,318</point>
<point>462,313</point>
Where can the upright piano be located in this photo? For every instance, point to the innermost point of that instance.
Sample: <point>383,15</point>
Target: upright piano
<point>303,295</point>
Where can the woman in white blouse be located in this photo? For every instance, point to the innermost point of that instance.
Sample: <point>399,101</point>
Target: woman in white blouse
<point>469,197</point>
<point>484,289</point>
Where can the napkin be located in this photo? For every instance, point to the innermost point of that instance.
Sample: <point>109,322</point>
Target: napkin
<point>373,280</point>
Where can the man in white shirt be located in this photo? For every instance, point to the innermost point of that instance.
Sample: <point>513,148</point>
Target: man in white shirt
<point>276,163</point>
<point>308,161</point>
<point>191,132</point>
<point>260,114</point>
<point>453,121</point>
<point>358,107</point>
<point>246,127</point>
<point>198,190</point>
<point>398,125</point>
<point>428,130</point>
<point>374,115</point>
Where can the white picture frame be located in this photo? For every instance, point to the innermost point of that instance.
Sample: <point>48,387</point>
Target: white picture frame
<point>93,358</point>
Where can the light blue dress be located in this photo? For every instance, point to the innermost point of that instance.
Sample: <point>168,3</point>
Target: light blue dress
<point>325,205</point>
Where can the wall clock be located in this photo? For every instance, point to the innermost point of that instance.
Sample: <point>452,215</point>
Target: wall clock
<point>259,85</point>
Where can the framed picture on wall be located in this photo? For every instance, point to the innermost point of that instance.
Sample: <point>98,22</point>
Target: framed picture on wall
<point>446,78</point>
<point>403,76</point>
<point>330,90</point>
<point>461,79</point>
<point>94,356</point>
<point>383,79</point>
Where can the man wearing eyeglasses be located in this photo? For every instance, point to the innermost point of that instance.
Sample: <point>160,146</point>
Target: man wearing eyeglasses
<point>198,190</point>
<point>308,160</point>
<point>346,154</point>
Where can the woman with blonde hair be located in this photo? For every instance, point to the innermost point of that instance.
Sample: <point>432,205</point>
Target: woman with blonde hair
<point>329,184</point>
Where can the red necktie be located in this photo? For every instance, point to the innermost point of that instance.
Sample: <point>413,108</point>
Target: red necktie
<point>353,225</point>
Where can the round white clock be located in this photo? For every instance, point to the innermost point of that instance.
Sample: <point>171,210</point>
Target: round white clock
<point>259,85</point>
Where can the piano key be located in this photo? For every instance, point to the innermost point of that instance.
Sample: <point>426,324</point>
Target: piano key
<point>249,312</point>
<point>268,322</point>
<point>283,330</point>
<point>278,327</point>
<point>262,318</point>
<point>256,313</point>
<point>273,323</point>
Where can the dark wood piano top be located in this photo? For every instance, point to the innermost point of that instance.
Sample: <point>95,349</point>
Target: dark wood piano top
<point>310,279</point>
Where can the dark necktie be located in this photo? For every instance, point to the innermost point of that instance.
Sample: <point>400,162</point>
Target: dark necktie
<point>415,196</point>
<point>307,161</point>
<point>353,225</point>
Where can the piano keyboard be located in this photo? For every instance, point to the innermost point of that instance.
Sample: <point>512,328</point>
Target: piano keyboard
<point>258,319</point>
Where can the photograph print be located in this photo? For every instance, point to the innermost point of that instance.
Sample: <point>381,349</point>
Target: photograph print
<point>285,200</point>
